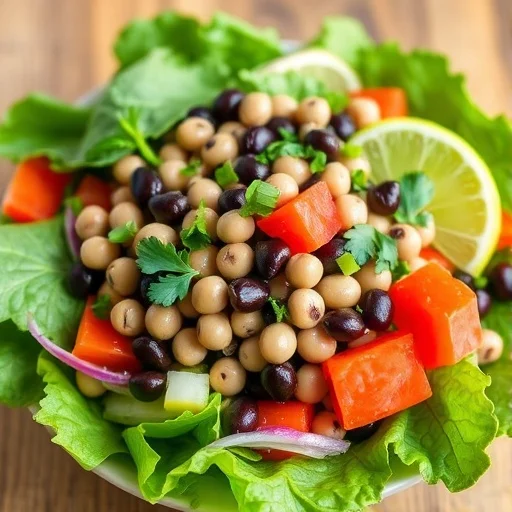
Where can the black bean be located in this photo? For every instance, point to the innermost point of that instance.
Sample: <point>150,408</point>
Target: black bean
<point>501,281</point>
<point>377,310</point>
<point>256,139</point>
<point>145,184</point>
<point>277,124</point>
<point>268,314</point>
<point>169,208</point>
<point>148,386</point>
<point>254,389</point>
<point>145,282</point>
<point>484,302</point>
<point>241,415</point>
<point>328,254</point>
<point>344,324</point>
<point>466,278</point>
<point>270,257</point>
<point>249,169</point>
<point>310,182</point>
<point>203,112</point>
<point>280,381</point>
<point>343,125</point>
<point>226,105</point>
<point>247,294</point>
<point>151,354</point>
<point>231,199</point>
<point>323,140</point>
<point>384,198</point>
<point>83,281</point>
<point>358,435</point>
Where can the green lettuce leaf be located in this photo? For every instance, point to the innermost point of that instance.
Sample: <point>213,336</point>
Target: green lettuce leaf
<point>77,421</point>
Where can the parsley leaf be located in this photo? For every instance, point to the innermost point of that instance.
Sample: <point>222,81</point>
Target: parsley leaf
<point>351,150</point>
<point>337,101</point>
<point>359,181</point>
<point>101,307</point>
<point>366,243</point>
<point>280,309</point>
<point>75,203</point>
<point>402,269</point>
<point>318,162</point>
<point>226,175</point>
<point>347,263</point>
<point>261,199</point>
<point>192,168</point>
<point>290,146</point>
<point>416,192</point>
<point>123,234</point>
<point>287,135</point>
<point>196,236</point>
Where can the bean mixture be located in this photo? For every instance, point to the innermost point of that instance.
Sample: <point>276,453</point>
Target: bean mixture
<point>226,325</point>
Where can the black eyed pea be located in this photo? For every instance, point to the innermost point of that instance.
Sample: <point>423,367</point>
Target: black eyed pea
<point>193,133</point>
<point>164,233</point>
<point>228,376</point>
<point>186,347</point>
<point>325,423</point>
<point>255,109</point>
<point>339,291</point>
<point>123,275</point>
<point>358,163</point>
<point>491,348</point>
<point>295,167</point>
<point>122,195</point>
<point>204,189</point>
<point>219,149</point>
<point>337,178</point>
<point>379,222</point>
<point>204,261</point>
<point>352,210</point>
<point>250,356</point>
<point>245,325</point>
<point>89,387</point>
<point>284,106</point>
<point>171,176</point>
<point>186,308</point>
<point>97,252</point>
<point>314,110</point>
<point>127,317</point>
<point>315,345</point>
<point>124,168</point>
<point>277,343</point>
<point>235,260</point>
<point>171,151</point>
<point>408,241</point>
<point>304,270</point>
<point>211,217</point>
<point>233,128</point>
<point>311,385</point>
<point>427,233</point>
<point>163,322</point>
<point>92,221</point>
<point>214,331</point>
<point>232,228</point>
<point>368,279</point>
<point>417,263</point>
<point>306,308</point>
<point>287,186</point>
<point>210,295</point>
<point>364,112</point>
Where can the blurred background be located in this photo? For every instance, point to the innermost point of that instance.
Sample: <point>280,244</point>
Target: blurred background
<point>63,47</point>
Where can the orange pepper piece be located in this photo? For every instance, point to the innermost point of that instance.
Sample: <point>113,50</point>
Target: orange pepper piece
<point>391,100</point>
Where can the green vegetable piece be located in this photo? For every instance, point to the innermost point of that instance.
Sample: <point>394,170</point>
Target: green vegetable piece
<point>261,199</point>
<point>126,410</point>
<point>359,181</point>
<point>402,269</point>
<point>347,263</point>
<point>186,392</point>
<point>196,236</point>
<point>123,234</point>
<point>75,203</point>
<point>280,309</point>
<point>101,307</point>
<point>319,160</point>
<point>226,175</point>
<point>351,150</point>
<point>192,168</point>
<point>337,101</point>
<point>416,192</point>
<point>291,147</point>
<point>287,135</point>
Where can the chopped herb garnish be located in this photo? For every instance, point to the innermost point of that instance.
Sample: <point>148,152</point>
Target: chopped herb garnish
<point>75,203</point>
<point>280,309</point>
<point>196,236</point>
<point>155,256</point>
<point>261,199</point>
<point>402,269</point>
<point>351,150</point>
<point>347,263</point>
<point>480,282</point>
<point>192,168</point>
<point>319,162</point>
<point>359,181</point>
<point>101,307</point>
<point>123,234</point>
<point>365,243</point>
<point>337,101</point>
<point>287,135</point>
<point>416,192</point>
<point>226,175</point>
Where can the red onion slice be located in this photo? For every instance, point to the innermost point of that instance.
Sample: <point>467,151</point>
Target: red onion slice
<point>288,439</point>
<point>72,238</point>
<point>92,370</point>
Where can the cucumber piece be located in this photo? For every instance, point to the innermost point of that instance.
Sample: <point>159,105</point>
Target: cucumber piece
<point>186,392</point>
<point>129,411</point>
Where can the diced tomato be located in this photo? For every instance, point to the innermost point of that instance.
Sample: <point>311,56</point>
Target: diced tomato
<point>306,222</point>
<point>430,254</point>
<point>92,190</point>
<point>296,415</point>
<point>35,191</point>
<point>391,100</point>
<point>441,312</point>
<point>99,343</point>
<point>376,380</point>
<point>506,230</point>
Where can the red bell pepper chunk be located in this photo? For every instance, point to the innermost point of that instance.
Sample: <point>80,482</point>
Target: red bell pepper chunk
<point>392,101</point>
<point>93,191</point>
<point>296,415</point>
<point>505,239</point>
<point>306,222</point>
<point>441,312</point>
<point>431,254</point>
<point>376,380</point>
<point>99,343</point>
<point>35,191</point>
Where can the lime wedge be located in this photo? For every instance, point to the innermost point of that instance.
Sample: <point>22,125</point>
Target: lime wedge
<point>333,71</point>
<point>466,204</point>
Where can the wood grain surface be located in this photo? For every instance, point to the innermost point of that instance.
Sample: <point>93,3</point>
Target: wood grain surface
<point>63,47</point>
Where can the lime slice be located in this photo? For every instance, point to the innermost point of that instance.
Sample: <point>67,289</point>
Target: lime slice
<point>466,204</point>
<point>333,71</point>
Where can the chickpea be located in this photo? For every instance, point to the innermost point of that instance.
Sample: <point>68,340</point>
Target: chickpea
<point>123,275</point>
<point>92,221</point>
<point>363,340</point>
<point>97,252</point>
<point>352,210</point>
<point>172,151</point>
<point>163,322</point>
<point>359,163</point>
<point>364,112</point>
<point>122,195</point>
<point>304,129</point>
<point>280,288</point>
<point>186,308</point>
<point>304,270</point>
<point>306,308</point>
<point>337,178</point>
<point>164,233</point>
<point>205,261</point>
<point>339,291</point>
<point>124,168</point>
<point>315,345</point>
<point>210,216</point>
<point>170,174</point>
<point>245,325</point>
<point>106,289</point>
<point>126,212</point>
<point>232,228</point>
<point>427,233</point>
<point>89,387</point>
<point>417,263</point>
<point>219,149</point>
<point>194,132</point>
<point>277,343</point>
<point>284,106</point>
<point>186,348</point>
<point>297,168</point>
<point>325,423</point>
<point>214,331</point>
<point>228,376</point>
<point>250,355</point>
<point>379,222</point>
<point>233,128</point>
<point>368,279</point>
<point>311,385</point>
<point>210,295</point>
<point>408,241</point>
<point>255,109</point>
<point>314,110</point>
<point>491,347</point>
<point>127,317</point>
<point>235,260</point>
<point>287,186</point>
<point>205,190</point>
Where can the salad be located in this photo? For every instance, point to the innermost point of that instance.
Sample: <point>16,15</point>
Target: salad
<point>279,277</point>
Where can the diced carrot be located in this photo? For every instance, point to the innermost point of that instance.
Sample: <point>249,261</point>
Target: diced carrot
<point>92,190</point>
<point>441,312</point>
<point>99,343</point>
<point>296,415</point>
<point>376,380</point>
<point>35,191</point>
<point>431,254</point>
<point>391,100</point>
<point>506,230</point>
<point>306,222</point>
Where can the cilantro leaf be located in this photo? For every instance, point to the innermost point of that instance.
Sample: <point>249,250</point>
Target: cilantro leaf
<point>75,203</point>
<point>123,234</point>
<point>101,307</point>
<point>226,175</point>
<point>318,162</point>
<point>292,147</point>
<point>196,236</point>
<point>337,101</point>
<point>192,168</point>
<point>402,269</point>
<point>280,309</point>
<point>287,135</point>
<point>261,199</point>
<point>359,181</point>
<point>170,288</point>
<point>351,150</point>
<point>416,192</point>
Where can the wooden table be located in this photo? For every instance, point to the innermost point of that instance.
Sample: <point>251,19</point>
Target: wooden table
<point>63,47</point>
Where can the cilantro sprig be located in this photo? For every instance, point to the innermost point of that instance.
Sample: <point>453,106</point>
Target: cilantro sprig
<point>226,175</point>
<point>75,203</point>
<point>123,234</point>
<point>416,193</point>
<point>359,181</point>
<point>280,309</point>
<point>402,269</point>
<point>192,168</point>
<point>196,236</point>
<point>261,199</point>
<point>155,256</point>
<point>101,307</point>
